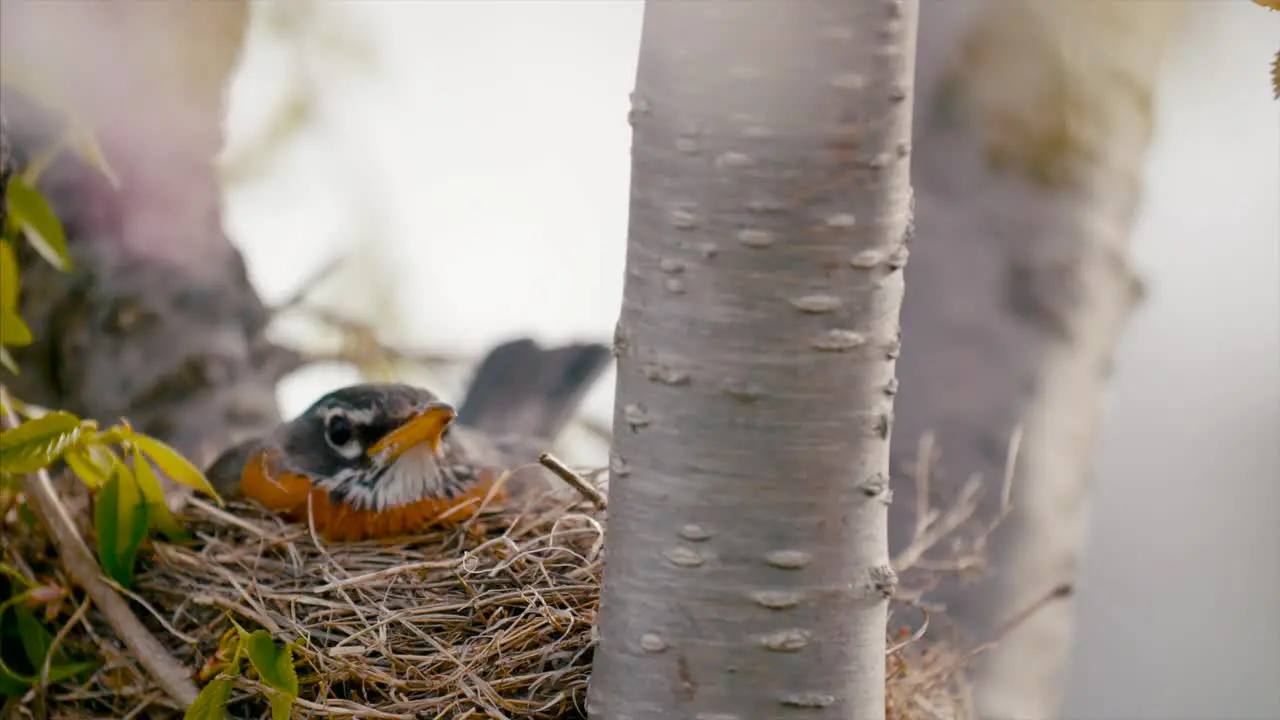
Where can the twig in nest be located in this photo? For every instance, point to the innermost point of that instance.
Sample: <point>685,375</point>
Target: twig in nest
<point>931,527</point>
<point>83,568</point>
<point>1058,592</point>
<point>574,480</point>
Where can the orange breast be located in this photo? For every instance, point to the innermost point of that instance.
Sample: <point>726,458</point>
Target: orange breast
<point>289,495</point>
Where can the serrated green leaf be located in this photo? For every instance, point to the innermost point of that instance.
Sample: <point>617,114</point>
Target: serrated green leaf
<point>91,471</point>
<point>13,329</point>
<point>211,703</point>
<point>149,484</point>
<point>10,281</point>
<point>282,706</point>
<point>41,227</point>
<point>37,443</point>
<point>21,408</point>
<point>120,518</point>
<point>173,464</point>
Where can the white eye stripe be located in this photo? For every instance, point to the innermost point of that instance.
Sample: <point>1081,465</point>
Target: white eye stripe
<point>351,448</point>
<point>361,416</point>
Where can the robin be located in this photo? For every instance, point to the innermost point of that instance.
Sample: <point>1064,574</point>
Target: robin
<point>377,460</point>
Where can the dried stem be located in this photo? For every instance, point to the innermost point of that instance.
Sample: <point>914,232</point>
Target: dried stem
<point>574,480</point>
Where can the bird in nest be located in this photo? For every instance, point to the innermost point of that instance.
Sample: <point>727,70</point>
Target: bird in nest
<point>379,460</point>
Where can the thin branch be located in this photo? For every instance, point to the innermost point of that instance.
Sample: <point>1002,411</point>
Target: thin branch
<point>167,671</point>
<point>309,284</point>
<point>574,480</point>
<point>1058,592</point>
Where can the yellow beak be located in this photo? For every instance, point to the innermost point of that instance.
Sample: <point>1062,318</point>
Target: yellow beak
<point>427,426</point>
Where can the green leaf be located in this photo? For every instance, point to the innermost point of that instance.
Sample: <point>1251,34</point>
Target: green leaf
<point>282,706</point>
<point>63,671</point>
<point>211,703</point>
<point>149,484</point>
<point>36,638</point>
<point>120,518</point>
<point>7,361</point>
<point>42,228</point>
<point>91,470</point>
<point>13,681</point>
<point>13,329</point>
<point>275,667</point>
<point>37,443</point>
<point>273,663</point>
<point>173,464</point>
<point>37,641</point>
<point>11,685</point>
<point>10,282</point>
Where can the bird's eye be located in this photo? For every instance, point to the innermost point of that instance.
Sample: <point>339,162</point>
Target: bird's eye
<point>341,435</point>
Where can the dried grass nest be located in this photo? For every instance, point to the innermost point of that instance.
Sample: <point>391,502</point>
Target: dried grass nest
<point>490,620</point>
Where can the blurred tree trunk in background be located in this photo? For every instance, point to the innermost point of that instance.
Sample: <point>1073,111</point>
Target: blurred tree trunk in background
<point>1032,126</point>
<point>747,571</point>
<point>157,321</point>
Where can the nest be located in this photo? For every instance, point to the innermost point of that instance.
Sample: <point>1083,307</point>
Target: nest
<point>493,619</point>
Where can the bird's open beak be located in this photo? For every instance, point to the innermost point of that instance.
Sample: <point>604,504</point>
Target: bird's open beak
<point>427,426</point>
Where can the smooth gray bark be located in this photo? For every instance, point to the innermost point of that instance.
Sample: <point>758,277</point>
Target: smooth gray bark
<point>747,566</point>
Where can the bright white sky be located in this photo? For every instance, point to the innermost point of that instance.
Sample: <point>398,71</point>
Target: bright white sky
<point>481,166</point>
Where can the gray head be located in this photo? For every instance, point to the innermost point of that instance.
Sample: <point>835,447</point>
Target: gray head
<point>372,445</point>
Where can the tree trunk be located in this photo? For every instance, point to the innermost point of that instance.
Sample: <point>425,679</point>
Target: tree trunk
<point>157,322</point>
<point>747,572</point>
<point>1033,125</point>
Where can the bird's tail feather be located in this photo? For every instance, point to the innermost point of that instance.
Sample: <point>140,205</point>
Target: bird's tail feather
<point>522,389</point>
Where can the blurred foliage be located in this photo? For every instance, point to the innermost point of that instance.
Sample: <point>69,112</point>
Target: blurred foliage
<point>117,464</point>
<point>15,75</point>
<point>311,33</point>
<point>1273,5</point>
